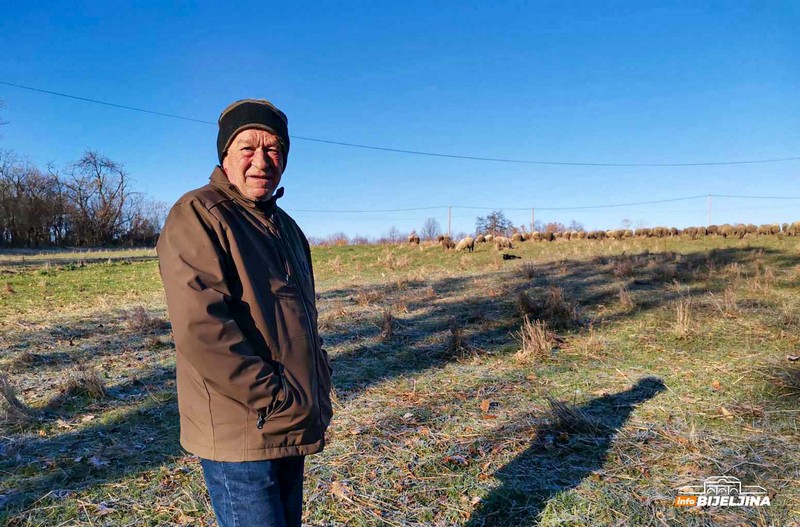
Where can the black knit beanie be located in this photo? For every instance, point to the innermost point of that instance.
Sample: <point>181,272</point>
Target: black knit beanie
<point>252,113</point>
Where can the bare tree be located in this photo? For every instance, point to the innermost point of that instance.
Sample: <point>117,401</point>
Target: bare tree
<point>97,192</point>
<point>494,223</point>
<point>30,206</point>
<point>393,236</point>
<point>575,226</point>
<point>430,229</point>
<point>142,219</point>
<point>91,205</point>
<point>554,226</point>
<point>337,238</point>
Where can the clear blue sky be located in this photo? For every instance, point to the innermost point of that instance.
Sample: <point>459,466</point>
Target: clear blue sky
<point>589,82</point>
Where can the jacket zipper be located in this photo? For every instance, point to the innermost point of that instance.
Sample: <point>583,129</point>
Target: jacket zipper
<point>289,253</point>
<point>262,414</point>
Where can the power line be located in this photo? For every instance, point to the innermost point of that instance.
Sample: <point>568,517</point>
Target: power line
<point>415,152</point>
<point>367,211</point>
<point>587,206</point>
<point>755,197</point>
<point>94,101</point>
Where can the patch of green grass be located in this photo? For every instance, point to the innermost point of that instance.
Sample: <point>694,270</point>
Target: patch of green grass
<point>35,291</point>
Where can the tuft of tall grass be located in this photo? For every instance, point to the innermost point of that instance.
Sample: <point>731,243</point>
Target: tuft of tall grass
<point>623,268</point>
<point>570,418</point>
<point>625,299</point>
<point>138,319</point>
<point>85,381</point>
<point>683,316</point>
<point>457,345</point>
<point>12,410</point>
<point>537,340</point>
<point>554,308</point>
<point>387,328</point>
<point>528,270</point>
<point>365,297</point>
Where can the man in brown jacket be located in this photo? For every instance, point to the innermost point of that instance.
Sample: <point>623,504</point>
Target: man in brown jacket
<point>253,379</point>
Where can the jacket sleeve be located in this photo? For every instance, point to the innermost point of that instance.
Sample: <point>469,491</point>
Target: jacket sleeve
<point>191,263</point>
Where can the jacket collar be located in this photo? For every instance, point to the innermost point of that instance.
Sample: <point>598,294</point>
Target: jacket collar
<point>220,181</point>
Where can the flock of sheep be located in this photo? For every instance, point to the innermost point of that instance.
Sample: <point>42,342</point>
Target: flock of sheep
<point>502,242</point>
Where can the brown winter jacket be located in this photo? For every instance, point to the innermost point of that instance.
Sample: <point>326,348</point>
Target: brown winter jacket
<point>253,379</point>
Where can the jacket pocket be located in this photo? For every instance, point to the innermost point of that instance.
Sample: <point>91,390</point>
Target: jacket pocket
<point>281,400</point>
<point>291,314</point>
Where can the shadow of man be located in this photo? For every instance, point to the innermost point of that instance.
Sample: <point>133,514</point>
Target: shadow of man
<point>563,453</point>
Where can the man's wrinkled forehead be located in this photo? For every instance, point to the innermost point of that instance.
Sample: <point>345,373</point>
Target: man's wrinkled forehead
<point>256,136</point>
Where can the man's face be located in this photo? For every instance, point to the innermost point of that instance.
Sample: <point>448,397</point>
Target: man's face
<point>254,163</point>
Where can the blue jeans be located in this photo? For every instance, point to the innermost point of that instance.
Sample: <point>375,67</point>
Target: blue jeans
<point>256,493</point>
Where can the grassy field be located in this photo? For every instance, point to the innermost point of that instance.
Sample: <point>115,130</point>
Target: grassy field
<point>579,385</point>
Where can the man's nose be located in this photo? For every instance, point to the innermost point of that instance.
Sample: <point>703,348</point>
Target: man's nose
<point>261,160</point>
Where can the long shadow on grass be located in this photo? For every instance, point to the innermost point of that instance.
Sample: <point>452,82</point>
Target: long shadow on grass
<point>109,449</point>
<point>560,456</point>
<point>487,316</point>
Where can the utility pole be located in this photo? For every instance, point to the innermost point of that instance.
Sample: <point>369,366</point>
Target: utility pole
<point>533,220</point>
<point>708,218</point>
<point>449,219</point>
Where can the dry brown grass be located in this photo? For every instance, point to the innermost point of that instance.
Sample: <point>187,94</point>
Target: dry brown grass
<point>138,319</point>
<point>12,410</point>
<point>558,306</point>
<point>392,261</point>
<point>570,418</point>
<point>387,327</point>
<point>625,299</point>
<point>26,360</point>
<point>733,272</point>
<point>336,265</point>
<point>728,304</point>
<point>787,380</point>
<point>400,284</point>
<point>764,280</point>
<point>555,308</point>
<point>623,268</point>
<point>789,315</point>
<point>409,444</point>
<point>400,306</point>
<point>683,316</point>
<point>429,293</point>
<point>457,345</point>
<point>84,381</point>
<point>666,271</point>
<point>366,297</point>
<point>528,270</point>
<point>537,341</point>
<point>526,305</point>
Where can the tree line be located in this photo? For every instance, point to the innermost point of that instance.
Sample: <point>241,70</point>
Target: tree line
<point>88,203</point>
<point>495,223</point>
